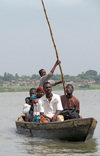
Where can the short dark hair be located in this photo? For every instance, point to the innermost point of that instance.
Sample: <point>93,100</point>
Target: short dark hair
<point>46,83</point>
<point>33,89</point>
<point>27,100</point>
<point>40,71</point>
<point>70,86</point>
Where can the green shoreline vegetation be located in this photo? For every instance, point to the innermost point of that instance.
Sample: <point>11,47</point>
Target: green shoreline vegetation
<point>15,83</point>
<point>26,89</point>
<point>15,89</point>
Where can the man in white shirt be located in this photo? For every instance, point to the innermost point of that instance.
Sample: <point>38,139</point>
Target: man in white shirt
<point>50,104</point>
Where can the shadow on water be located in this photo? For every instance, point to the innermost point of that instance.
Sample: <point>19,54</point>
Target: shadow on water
<point>46,147</point>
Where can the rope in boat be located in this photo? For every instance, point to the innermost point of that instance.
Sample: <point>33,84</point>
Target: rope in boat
<point>54,45</point>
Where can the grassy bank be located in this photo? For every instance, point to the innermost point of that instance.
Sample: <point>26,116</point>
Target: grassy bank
<point>15,89</point>
<point>22,88</point>
<point>25,89</point>
<point>94,86</point>
<point>90,87</point>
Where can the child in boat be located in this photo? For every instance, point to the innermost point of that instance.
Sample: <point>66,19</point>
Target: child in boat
<point>26,108</point>
<point>40,92</point>
<point>34,114</point>
<point>27,105</point>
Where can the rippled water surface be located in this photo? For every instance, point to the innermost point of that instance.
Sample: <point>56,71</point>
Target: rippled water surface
<point>15,144</point>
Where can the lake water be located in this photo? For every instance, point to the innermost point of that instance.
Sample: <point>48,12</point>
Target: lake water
<point>15,144</point>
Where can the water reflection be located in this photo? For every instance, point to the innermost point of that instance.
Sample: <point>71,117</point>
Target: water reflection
<point>52,148</point>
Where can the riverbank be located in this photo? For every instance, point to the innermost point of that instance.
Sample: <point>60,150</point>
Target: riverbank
<point>27,88</point>
<point>15,89</point>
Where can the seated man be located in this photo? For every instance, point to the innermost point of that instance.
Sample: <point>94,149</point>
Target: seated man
<point>50,104</point>
<point>70,102</point>
<point>46,77</point>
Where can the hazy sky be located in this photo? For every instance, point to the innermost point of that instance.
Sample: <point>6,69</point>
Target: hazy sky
<point>25,42</point>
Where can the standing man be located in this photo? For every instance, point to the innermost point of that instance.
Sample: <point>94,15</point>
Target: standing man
<point>50,104</point>
<point>46,77</point>
<point>69,101</point>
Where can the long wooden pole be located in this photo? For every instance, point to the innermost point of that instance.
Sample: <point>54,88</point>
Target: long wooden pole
<point>54,45</point>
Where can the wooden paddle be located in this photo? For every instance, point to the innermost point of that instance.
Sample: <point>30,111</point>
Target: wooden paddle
<point>54,45</point>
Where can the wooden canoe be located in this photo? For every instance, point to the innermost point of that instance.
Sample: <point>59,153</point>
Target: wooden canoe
<point>70,130</point>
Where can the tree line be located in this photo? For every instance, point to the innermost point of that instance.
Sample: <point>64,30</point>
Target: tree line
<point>88,75</point>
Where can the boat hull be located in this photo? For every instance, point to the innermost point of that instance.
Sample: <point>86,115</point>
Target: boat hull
<point>71,130</point>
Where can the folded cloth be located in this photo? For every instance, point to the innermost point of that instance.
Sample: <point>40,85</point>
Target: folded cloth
<point>36,118</point>
<point>43,119</point>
